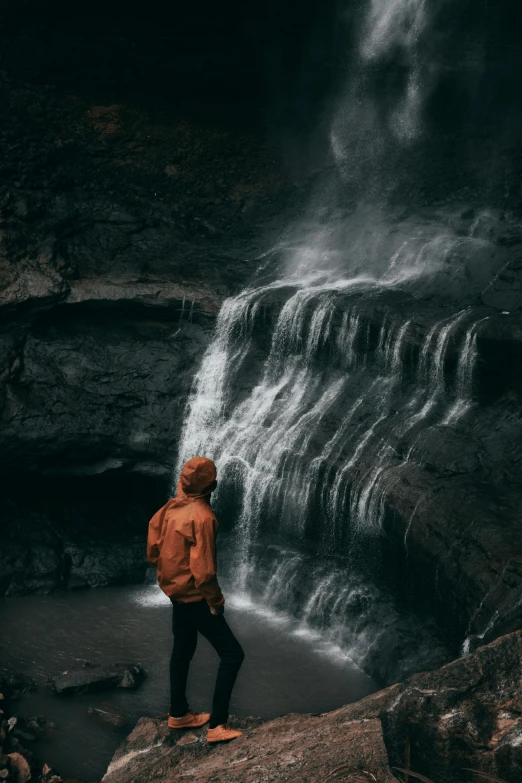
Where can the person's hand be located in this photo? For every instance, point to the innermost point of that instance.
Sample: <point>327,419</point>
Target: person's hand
<point>217,610</point>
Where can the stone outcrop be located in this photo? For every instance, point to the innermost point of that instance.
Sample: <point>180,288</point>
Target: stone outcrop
<point>466,715</point>
<point>293,748</point>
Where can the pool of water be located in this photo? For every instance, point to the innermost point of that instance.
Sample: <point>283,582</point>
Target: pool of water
<point>287,668</point>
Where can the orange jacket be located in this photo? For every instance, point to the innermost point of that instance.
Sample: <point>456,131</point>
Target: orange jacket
<point>182,538</point>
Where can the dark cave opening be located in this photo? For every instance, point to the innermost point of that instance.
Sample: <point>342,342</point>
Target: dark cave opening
<point>63,531</point>
<point>113,503</point>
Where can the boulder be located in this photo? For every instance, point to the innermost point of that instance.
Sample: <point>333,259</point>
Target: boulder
<point>95,677</point>
<point>466,715</point>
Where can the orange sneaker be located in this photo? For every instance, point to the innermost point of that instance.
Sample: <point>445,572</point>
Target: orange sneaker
<point>222,733</point>
<point>192,720</point>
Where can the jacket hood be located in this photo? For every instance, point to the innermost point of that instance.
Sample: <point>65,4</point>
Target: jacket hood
<point>198,478</point>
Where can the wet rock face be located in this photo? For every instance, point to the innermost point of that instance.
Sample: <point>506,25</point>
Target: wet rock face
<point>114,258</point>
<point>465,715</point>
<point>109,386</point>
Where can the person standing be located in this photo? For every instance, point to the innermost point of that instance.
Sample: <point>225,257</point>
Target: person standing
<point>182,545</point>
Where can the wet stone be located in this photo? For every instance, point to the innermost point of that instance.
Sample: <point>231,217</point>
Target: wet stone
<point>107,713</point>
<point>21,767</point>
<point>95,677</point>
<point>40,726</point>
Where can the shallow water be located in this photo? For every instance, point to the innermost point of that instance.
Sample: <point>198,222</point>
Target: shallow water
<point>285,670</point>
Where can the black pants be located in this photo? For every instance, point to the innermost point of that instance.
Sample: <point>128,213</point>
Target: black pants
<point>187,620</point>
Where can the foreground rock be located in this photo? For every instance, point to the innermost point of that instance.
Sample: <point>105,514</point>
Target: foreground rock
<point>466,715</point>
<point>95,677</point>
<point>297,747</point>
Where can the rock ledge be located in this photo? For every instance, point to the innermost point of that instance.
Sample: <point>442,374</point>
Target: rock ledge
<point>468,714</point>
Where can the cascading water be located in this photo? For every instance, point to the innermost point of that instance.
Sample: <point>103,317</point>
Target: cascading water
<point>311,443</point>
<point>324,377</point>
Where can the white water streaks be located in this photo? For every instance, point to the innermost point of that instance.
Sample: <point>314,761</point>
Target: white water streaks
<point>319,425</point>
<point>372,248</point>
<point>336,616</point>
<point>281,582</point>
<point>392,23</point>
<point>368,125</point>
<point>363,489</point>
<point>488,600</point>
<point>368,492</point>
<point>466,645</point>
<point>432,367</point>
<point>206,408</point>
<point>344,616</point>
<point>410,521</point>
<point>464,384</point>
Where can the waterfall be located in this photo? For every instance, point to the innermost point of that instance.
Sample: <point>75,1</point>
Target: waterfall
<point>466,366</point>
<point>319,385</point>
<point>366,128</point>
<point>312,442</point>
<point>393,24</point>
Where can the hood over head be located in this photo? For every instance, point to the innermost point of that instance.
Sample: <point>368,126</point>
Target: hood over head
<point>198,478</point>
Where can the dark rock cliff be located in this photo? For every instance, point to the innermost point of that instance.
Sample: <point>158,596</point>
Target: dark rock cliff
<point>115,253</point>
<point>136,186</point>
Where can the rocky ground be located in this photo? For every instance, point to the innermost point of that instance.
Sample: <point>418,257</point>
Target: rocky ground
<point>464,716</point>
<point>17,762</point>
<point>18,732</point>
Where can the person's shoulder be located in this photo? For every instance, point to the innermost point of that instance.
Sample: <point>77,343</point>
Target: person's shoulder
<point>203,512</point>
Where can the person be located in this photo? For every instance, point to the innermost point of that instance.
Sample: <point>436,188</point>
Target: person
<point>182,545</point>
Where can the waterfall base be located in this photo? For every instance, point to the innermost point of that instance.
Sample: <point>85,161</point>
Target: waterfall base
<point>343,610</point>
<point>44,635</point>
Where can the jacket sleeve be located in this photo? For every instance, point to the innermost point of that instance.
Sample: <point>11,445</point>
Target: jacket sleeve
<point>203,561</point>
<point>155,536</point>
